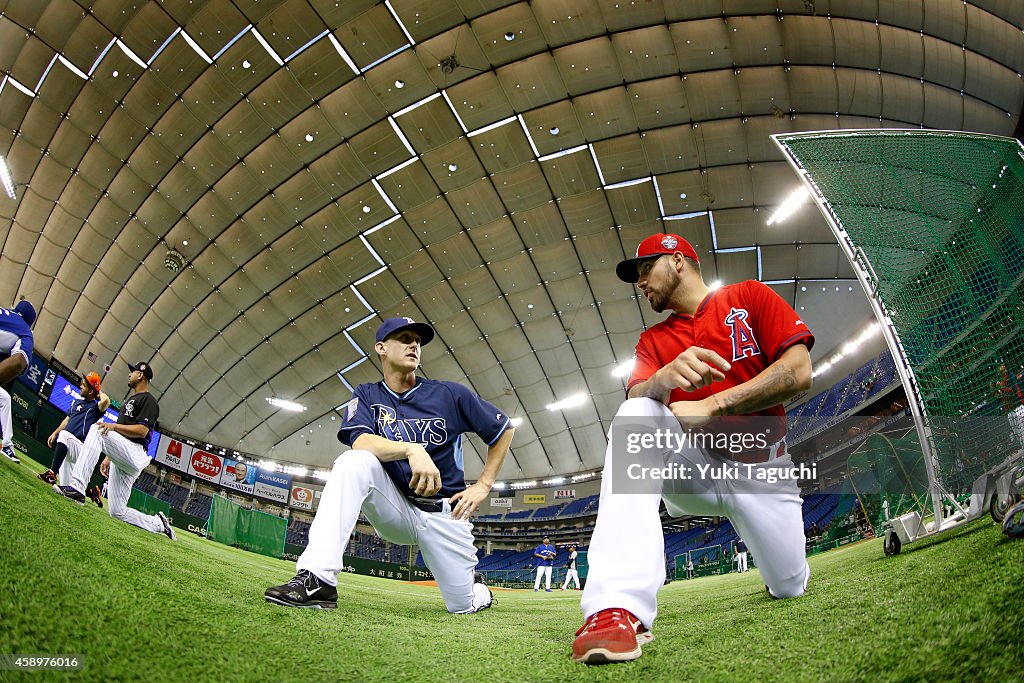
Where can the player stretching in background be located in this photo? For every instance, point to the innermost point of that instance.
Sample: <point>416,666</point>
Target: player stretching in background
<point>681,372</point>
<point>405,474</point>
<point>66,440</point>
<point>126,445</point>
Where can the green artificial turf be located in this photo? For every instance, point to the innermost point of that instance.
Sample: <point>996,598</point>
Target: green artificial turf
<point>139,607</point>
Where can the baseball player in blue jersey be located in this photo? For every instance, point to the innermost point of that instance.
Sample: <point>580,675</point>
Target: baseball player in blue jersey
<point>15,353</point>
<point>545,556</point>
<point>405,474</point>
<point>66,440</point>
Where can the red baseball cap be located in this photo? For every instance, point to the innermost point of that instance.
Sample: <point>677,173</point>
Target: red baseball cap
<point>655,245</point>
<point>93,380</point>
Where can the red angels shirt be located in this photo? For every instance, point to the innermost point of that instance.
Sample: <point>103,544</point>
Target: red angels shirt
<point>747,324</point>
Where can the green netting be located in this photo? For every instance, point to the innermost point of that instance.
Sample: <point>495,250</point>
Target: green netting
<point>147,504</point>
<point>936,221</point>
<point>251,530</point>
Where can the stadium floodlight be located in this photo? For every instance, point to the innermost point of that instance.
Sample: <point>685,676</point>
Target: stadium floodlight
<point>285,405</point>
<point>571,402</point>
<point>624,368</point>
<point>789,207</point>
<point>717,284</point>
<point>516,421</point>
<point>5,176</point>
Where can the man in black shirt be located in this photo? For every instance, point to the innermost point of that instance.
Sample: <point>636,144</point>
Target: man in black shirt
<point>125,445</point>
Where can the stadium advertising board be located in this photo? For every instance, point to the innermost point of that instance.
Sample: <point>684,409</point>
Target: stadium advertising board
<point>501,503</point>
<point>535,498</point>
<point>565,493</point>
<point>273,485</point>
<point>302,497</point>
<point>173,453</point>
<point>205,465</point>
<point>34,374</point>
<point>238,476</point>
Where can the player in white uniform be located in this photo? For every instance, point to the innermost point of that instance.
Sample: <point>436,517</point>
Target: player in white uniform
<point>125,445</point>
<point>570,572</point>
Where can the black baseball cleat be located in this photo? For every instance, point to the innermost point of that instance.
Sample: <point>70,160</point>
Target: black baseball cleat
<point>304,590</point>
<point>71,493</point>
<point>48,477</point>
<point>94,495</point>
<point>168,529</point>
<point>11,455</point>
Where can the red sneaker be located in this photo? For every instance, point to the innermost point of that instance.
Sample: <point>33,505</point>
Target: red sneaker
<point>611,635</point>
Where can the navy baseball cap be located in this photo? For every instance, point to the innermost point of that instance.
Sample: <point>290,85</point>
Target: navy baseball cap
<point>26,311</point>
<point>655,245</point>
<point>393,325</point>
<point>144,368</point>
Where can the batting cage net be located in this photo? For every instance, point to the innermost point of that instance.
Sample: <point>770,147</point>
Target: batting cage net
<point>251,530</point>
<point>933,223</point>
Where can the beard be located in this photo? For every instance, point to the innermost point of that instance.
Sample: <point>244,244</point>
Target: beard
<point>659,298</point>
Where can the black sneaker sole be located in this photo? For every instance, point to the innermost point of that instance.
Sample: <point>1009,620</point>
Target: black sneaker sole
<point>312,604</point>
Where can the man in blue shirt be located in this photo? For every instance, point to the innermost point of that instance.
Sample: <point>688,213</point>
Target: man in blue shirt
<point>545,557</point>
<point>67,439</point>
<point>405,474</point>
<point>15,353</point>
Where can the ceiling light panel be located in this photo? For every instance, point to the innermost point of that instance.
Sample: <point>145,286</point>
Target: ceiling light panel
<point>645,53</point>
<point>517,19</point>
<point>458,152</point>
<point>476,204</point>
<point>559,115</point>
<point>214,25</point>
<point>430,126</point>
<point>702,45</point>
<point>503,148</point>
<point>371,35</point>
<point>379,148</point>
<point>290,26</point>
<point>532,82</point>
<point>410,186</point>
<point>480,101</point>
<point>522,188</point>
<point>588,66</point>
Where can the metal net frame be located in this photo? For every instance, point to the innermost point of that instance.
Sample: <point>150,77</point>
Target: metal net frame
<point>932,223</point>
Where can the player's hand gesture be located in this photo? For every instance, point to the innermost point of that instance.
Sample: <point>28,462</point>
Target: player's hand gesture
<point>105,468</point>
<point>49,442</point>
<point>426,478</point>
<point>467,501</point>
<point>695,368</point>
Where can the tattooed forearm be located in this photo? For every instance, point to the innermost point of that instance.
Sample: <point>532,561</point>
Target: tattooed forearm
<point>773,386</point>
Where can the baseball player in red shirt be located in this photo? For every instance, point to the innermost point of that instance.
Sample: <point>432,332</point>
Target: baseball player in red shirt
<point>738,350</point>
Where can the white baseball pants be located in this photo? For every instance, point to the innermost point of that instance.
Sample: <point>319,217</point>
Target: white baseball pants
<point>357,483</point>
<point>574,576</point>
<point>543,571</point>
<point>768,517</point>
<point>5,418</point>
<point>127,460</point>
<point>74,447</point>
<point>741,562</point>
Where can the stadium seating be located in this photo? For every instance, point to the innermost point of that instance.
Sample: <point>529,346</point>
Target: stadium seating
<point>147,483</point>
<point>174,495</point>
<point>199,506</point>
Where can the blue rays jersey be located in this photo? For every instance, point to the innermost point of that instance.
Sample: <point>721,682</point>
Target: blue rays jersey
<point>433,414</point>
<point>15,335</point>
<point>82,415</point>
